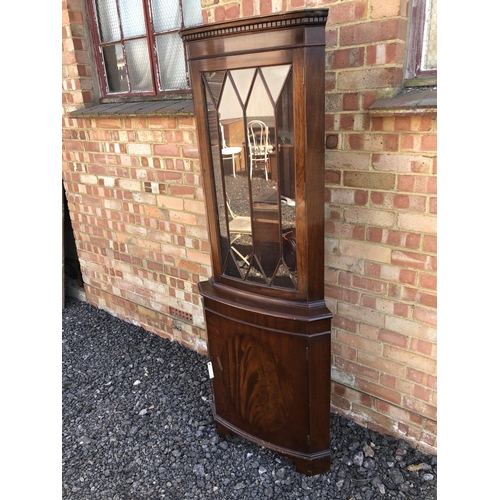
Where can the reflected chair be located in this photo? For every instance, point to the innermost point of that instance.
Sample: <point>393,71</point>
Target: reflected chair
<point>238,226</point>
<point>258,142</point>
<point>229,152</point>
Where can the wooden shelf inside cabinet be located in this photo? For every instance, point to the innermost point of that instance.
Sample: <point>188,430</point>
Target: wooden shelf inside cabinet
<point>258,85</point>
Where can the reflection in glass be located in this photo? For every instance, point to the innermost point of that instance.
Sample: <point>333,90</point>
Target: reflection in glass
<point>259,104</point>
<point>252,109</point>
<point>275,77</point>
<point>230,113</point>
<point>286,275</point>
<point>230,106</point>
<point>285,141</point>
<point>242,80</point>
<point>208,80</point>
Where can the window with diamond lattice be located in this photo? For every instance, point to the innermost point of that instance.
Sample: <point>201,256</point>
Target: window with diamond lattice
<point>137,46</point>
<point>422,43</point>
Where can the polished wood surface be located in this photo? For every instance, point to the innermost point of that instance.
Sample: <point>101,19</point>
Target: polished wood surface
<point>269,345</point>
<point>271,367</point>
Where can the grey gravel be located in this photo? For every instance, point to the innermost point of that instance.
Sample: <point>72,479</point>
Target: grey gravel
<point>137,424</point>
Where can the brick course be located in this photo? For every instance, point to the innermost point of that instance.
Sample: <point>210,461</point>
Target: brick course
<point>133,185</point>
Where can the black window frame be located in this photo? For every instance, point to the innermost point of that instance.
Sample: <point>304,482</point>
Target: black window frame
<point>100,66</point>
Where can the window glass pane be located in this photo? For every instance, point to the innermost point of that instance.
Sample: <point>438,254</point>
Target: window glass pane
<point>429,56</point>
<point>115,68</point>
<point>166,14</point>
<point>132,16</point>
<point>191,11</point>
<point>171,62</point>
<point>128,64</point>
<point>139,67</point>
<point>109,24</point>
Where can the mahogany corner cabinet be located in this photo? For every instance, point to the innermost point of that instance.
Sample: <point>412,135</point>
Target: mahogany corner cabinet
<point>259,99</point>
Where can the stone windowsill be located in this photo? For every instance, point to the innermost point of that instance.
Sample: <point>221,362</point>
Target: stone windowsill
<point>137,108</point>
<point>409,101</point>
<point>418,100</point>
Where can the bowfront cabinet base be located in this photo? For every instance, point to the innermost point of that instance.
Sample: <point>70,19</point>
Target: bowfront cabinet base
<point>271,367</point>
<point>309,464</point>
<point>259,87</point>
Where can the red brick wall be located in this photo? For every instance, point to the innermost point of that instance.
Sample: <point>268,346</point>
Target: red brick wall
<point>380,276</point>
<point>138,215</point>
<point>77,82</point>
<point>136,202</point>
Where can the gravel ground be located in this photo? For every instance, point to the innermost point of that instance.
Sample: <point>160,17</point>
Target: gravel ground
<point>137,424</point>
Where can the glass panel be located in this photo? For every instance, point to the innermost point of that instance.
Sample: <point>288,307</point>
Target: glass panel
<point>171,62</point>
<point>267,232</point>
<point>259,105</point>
<point>429,57</point>
<point>243,79</point>
<point>275,78</point>
<point>132,17</point>
<point>109,24</point>
<point>256,273</point>
<point>139,68</point>
<point>232,267</point>
<point>166,15</point>
<point>287,273</point>
<point>213,124</point>
<point>285,142</point>
<point>240,224</point>
<point>115,68</point>
<point>191,11</point>
<point>284,278</point>
<point>232,131</point>
<point>264,180</point>
<point>254,172</point>
<point>229,105</point>
<point>214,82</point>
